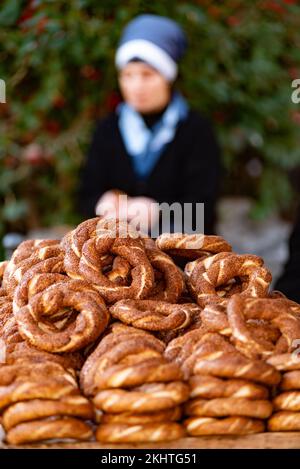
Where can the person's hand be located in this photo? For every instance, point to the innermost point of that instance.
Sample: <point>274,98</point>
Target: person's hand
<point>143,211</point>
<point>108,205</point>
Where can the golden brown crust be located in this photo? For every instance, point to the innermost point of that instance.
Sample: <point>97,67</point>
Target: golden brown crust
<point>229,406</point>
<point>153,315</point>
<point>191,246</point>
<point>146,398</point>
<point>289,400</point>
<point>285,361</point>
<point>217,338</point>
<point>210,387</point>
<point>36,371</point>
<point>181,347</point>
<point>23,390</point>
<point>212,354</point>
<point>34,281</point>
<point>290,381</point>
<point>142,272</point>
<point>34,319</point>
<point>151,370</point>
<point>197,426</point>
<point>112,347</point>
<point>73,406</point>
<point>29,247</point>
<point>47,252</point>
<point>209,343</point>
<point>23,353</point>
<point>230,365</point>
<point>43,430</point>
<point>275,311</point>
<point>87,249</point>
<point>169,280</point>
<point>205,276</point>
<point>151,432</point>
<point>214,317</point>
<point>120,271</point>
<point>126,357</point>
<point>284,421</point>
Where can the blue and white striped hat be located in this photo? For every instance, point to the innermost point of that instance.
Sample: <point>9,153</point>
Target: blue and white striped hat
<point>157,40</point>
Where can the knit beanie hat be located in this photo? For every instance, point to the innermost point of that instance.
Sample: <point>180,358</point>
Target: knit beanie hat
<point>156,40</point>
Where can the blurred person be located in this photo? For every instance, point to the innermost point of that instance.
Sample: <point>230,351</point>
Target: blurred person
<point>153,148</point>
<point>289,281</point>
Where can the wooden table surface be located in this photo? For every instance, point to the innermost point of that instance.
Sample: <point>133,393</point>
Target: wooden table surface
<point>283,440</point>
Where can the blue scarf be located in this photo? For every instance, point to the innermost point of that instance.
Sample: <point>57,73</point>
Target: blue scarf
<point>143,145</point>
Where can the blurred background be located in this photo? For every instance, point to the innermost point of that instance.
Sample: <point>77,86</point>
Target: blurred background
<point>57,60</point>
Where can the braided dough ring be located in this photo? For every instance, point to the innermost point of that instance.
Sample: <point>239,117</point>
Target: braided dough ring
<point>73,406</point>
<point>172,285</point>
<point>87,326</point>
<point>25,250</point>
<point>40,371</point>
<point>198,344</point>
<point>209,344</point>
<point>23,390</point>
<point>181,347</point>
<point>226,406</point>
<point>128,349</point>
<point>38,278</point>
<point>168,415</point>
<point>23,353</point>
<point>231,365</point>
<point>197,426</point>
<point>43,430</point>
<point>151,432</point>
<point>134,350</point>
<point>93,243</point>
<point>119,334</point>
<point>205,276</point>
<point>284,421</point>
<point>147,371</point>
<point>152,397</point>
<point>191,246</point>
<point>73,242</point>
<point>31,285</point>
<point>153,315</point>
<point>30,246</point>
<point>285,361</point>
<point>290,381</point>
<point>210,387</point>
<point>129,363</point>
<point>196,324</point>
<point>14,273</point>
<point>214,318</point>
<point>53,264</point>
<point>289,400</point>
<point>275,311</point>
<point>131,250</point>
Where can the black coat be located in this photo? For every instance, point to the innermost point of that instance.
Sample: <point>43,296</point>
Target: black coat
<point>188,170</point>
<point>289,282</point>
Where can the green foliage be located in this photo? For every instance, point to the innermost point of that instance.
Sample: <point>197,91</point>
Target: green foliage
<point>57,59</point>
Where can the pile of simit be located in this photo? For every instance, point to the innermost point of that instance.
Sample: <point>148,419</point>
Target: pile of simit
<point>103,336</point>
